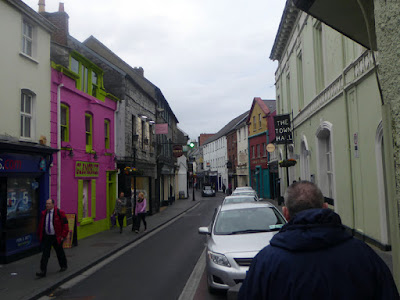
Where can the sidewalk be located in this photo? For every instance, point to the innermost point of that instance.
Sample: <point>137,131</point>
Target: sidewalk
<point>18,280</point>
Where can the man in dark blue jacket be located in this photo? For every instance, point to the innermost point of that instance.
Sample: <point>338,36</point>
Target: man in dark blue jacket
<point>312,257</point>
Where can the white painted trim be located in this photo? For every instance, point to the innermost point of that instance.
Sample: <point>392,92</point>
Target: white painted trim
<point>324,125</point>
<point>381,185</point>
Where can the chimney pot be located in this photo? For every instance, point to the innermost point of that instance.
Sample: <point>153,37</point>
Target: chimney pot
<point>42,6</point>
<point>60,7</point>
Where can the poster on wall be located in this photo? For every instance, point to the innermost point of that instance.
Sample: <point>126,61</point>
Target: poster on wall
<point>69,240</point>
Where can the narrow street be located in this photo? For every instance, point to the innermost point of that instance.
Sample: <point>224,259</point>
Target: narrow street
<point>157,268</point>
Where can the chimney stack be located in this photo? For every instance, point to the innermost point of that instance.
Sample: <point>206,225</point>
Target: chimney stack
<point>42,6</point>
<point>60,7</point>
<point>60,20</point>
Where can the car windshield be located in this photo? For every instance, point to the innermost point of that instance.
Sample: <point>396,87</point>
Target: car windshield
<point>238,199</point>
<point>207,187</point>
<point>248,220</point>
<point>244,193</point>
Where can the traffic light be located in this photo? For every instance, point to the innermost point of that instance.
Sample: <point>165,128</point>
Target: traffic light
<point>191,145</point>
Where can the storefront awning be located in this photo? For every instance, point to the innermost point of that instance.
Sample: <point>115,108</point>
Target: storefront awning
<point>25,148</point>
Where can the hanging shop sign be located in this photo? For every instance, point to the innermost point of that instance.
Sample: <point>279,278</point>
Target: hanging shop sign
<point>177,150</point>
<point>283,129</point>
<point>86,169</point>
<point>161,128</point>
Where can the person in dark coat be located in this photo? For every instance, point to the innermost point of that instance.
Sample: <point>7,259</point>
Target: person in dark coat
<point>52,230</point>
<point>313,257</point>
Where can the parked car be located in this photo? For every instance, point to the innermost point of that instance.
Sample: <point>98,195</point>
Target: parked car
<point>239,199</point>
<point>244,188</point>
<point>208,191</point>
<point>245,192</point>
<point>236,234</point>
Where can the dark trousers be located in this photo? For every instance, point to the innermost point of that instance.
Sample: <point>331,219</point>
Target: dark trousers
<point>47,242</point>
<point>137,219</point>
<point>121,220</point>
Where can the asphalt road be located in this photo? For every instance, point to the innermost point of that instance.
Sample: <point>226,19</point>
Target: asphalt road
<point>157,268</point>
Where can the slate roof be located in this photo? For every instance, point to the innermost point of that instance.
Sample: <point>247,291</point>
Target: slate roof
<point>228,127</point>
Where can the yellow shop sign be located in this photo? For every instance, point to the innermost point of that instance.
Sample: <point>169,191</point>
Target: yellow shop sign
<point>86,169</point>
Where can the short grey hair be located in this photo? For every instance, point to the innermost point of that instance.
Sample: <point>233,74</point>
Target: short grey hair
<point>303,195</point>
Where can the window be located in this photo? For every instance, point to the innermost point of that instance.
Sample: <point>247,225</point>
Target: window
<point>259,120</point>
<point>253,152</point>
<point>107,134</point>
<point>143,133</point>
<point>258,150</point>
<point>300,84</point>
<point>26,114</point>
<point>64,123</point>
<point>263,150</point>
<point>288,103</point>
<point>254,123</point>
<point>318,57</point>
<point>90,76</point>
<point>27,38</point>
<point>89,132</point>
<point>325,160</point>
<point>86,201</point>
<point>239,134</point>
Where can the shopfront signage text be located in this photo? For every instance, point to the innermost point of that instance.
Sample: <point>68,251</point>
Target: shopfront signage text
<point>86,169</point>
<point>10,164</point>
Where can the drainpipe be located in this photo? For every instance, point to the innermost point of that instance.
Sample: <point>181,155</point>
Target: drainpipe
<point>59,145</point>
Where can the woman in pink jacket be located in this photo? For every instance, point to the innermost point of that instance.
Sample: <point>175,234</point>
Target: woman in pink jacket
<point>140,212</point>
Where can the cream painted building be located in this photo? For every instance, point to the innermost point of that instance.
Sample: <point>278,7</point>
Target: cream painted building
<point>242,169</point>
<point>328,83</point>
<point>25,64</point>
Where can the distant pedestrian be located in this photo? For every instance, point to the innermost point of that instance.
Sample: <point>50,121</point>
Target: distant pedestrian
<point>230,188</point>
<point>140,213</point>
<point>313,257</point>
<point>223,188</point>
<point>120,210</point>
<point>52,230</point>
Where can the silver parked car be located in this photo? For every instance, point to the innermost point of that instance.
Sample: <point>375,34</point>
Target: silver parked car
<point>237,233</point>
<point>245,192</point>
<point>239,199</point>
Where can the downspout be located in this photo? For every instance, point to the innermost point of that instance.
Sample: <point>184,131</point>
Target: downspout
<point>59,144</point>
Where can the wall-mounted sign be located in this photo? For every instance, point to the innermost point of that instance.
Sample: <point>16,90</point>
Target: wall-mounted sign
<point>283,129</point>
<point>86,169</point>
<point>13,163</point>
<point>270,148</point>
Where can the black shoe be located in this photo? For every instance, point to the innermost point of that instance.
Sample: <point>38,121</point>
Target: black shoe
<point>40,274</point>
<point>63,269</point>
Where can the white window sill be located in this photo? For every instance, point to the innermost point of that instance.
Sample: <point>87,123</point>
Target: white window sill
<point>28,57</point>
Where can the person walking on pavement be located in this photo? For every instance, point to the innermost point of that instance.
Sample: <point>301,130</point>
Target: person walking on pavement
<point>223,188</point>
<point>313,257</point>
<point>120,209</point>
<point>52,230</point>
<point>140,213</point>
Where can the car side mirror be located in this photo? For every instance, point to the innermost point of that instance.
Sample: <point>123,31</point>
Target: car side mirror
<point>204,230</point>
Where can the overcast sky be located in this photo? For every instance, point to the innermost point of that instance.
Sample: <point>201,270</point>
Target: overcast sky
<point>210,58</point>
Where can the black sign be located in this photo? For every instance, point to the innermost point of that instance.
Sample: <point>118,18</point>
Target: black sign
<point>283,129</point>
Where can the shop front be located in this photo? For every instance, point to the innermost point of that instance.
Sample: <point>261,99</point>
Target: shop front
<point>24,182</point>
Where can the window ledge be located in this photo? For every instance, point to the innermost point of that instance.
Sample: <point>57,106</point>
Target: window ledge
<point>28,57</point>
<point>86,221</point>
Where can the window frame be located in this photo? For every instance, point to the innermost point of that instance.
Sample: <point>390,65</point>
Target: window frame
<point>107,144</point>
<point>26,39</point>
<point>26,115</point>
<point>89,134</point>
<point>64,126</point>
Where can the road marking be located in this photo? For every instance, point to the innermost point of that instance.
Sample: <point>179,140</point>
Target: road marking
<point>189,291</point>
<point>92,270</point>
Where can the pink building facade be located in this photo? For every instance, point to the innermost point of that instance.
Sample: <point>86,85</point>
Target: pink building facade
<point>84,175</point>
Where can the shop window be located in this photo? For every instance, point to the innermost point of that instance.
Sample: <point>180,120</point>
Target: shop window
<point>86,201</point>
<point>107,134</point>
<point>64,123</point>
<point>89,132</point>
<point>22,208</point>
